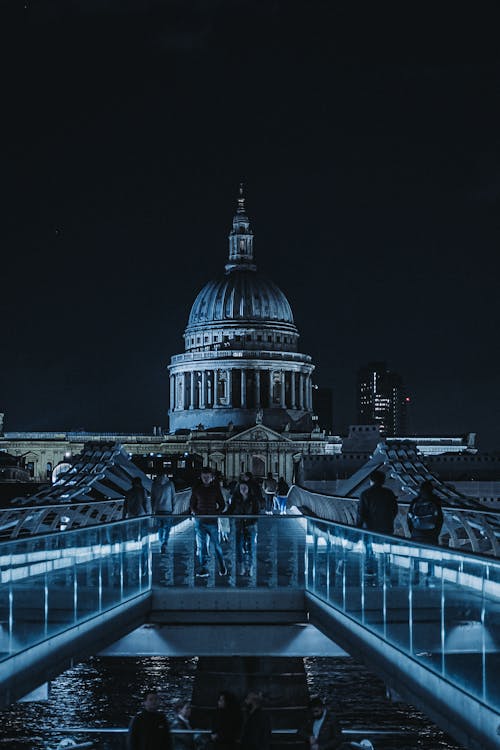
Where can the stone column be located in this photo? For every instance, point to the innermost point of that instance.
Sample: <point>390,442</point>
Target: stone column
<point>192,389</point>
<point>182,383</point>
<point>243,389</point>
<point>301,391</point>
<point>202,389</point>
<point>229,391</point>
<point>309,392</point>
<point>210,394</point>
<point>270,389</point>
<point>282,390</point>
<point>292,389</point>
<point>172,392</point>
<point>257,388</point>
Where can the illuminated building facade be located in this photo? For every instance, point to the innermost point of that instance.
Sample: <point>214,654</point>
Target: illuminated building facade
<point>381,399</point>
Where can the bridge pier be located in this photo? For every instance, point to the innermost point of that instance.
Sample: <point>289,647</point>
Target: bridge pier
<point>282,682</point>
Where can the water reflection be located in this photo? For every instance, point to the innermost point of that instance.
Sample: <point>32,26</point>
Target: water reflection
<point>106,692</point>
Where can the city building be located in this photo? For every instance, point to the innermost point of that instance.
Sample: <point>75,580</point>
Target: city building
<point>381,399</point>
<point>240,394</point>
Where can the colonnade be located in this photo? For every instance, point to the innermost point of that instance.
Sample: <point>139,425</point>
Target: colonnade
<point>241,389</point>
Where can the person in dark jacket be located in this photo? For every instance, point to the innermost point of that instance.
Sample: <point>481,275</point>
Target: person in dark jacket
<point>322,730</point>
<point>136,502</point>
<point>149,730</point>
<point>227,723</point>
<point>378,506</point>
<point>256,734</point>
<point>425,516</point>
<point>206,501</point>
<point>162,506</point>
<point>255,488</point>
<point>245,503</point>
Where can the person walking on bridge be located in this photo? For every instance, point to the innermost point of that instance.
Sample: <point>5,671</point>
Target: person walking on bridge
<point>378,506</point>
<point>162,505</point>
<point>425,515</point>
<point>136,502</point>
<point>206,501</point>
<point>269,486</point>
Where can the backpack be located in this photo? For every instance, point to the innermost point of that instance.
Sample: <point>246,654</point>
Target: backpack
<point>424,515</point>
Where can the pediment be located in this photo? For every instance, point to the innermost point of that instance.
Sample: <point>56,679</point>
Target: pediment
<point>259,433</point>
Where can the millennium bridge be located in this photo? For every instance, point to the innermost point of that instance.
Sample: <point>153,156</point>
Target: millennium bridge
<point>75,581</point>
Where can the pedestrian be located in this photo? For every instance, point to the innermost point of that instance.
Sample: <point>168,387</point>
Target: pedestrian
<point>184,738</point>
<point>207,501</point>
<point>149,730</point>
<point>281,495</point>
<point>269,486</point>
<point>256,733</point>
<point>255,487</point>
<point>223,525</point>
<point>322,730</point>
<point>136,502</point>
<point>378,506</point>
<point>162,506</point>
<point>245,503</point>
<point>226,729</point>
<point>425,515</point>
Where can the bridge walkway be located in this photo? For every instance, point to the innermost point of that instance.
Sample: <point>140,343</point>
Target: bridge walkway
<point>426,619</point>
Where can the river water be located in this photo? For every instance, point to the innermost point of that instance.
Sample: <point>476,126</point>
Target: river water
<point>106,692</point>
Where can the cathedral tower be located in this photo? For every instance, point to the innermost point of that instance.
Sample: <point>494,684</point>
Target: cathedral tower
<point>241,363</point>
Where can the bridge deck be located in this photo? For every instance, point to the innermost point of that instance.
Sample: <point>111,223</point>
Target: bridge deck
<point>426,618</point>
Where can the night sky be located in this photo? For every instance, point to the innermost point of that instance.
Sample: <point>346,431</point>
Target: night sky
<point>372,181</point>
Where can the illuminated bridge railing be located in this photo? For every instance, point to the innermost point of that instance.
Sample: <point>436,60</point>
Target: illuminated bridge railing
<point>17,523</point>
<point>437,607</point>
<point>53,582</point>
<point>466,530</point>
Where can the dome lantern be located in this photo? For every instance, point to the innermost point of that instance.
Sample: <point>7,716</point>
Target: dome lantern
<point>240,239</point>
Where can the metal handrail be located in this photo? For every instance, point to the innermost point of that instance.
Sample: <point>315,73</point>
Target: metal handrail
<point>463,529</point>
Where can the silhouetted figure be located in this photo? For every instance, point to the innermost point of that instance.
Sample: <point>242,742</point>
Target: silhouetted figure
<point>269,486</point>
<point>149,730</point>
<point>378,506</point>
<point>281,495</point>
<point>227,723</point>
<point>244,503</point>
<point>255,487</point>
<point>256,734</point>
<point>425,516</point>
<point>322,730</point>
<point>136,502</point>
<point>162,506</point>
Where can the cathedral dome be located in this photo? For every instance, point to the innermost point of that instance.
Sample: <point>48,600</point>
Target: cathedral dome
<point>241,295</point>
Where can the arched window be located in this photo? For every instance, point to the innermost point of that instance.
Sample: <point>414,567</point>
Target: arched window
<point>49,469</point>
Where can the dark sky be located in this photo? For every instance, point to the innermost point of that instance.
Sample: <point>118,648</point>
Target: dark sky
<point>373,184</point>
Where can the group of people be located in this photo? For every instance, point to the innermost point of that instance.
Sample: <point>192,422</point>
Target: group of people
<point>244,498</point>
<point>233,727</point>
<point>212,504</point>
<point>378,508</point>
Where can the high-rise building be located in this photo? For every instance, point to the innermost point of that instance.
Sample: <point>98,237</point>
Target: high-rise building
<point>381,399</point>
